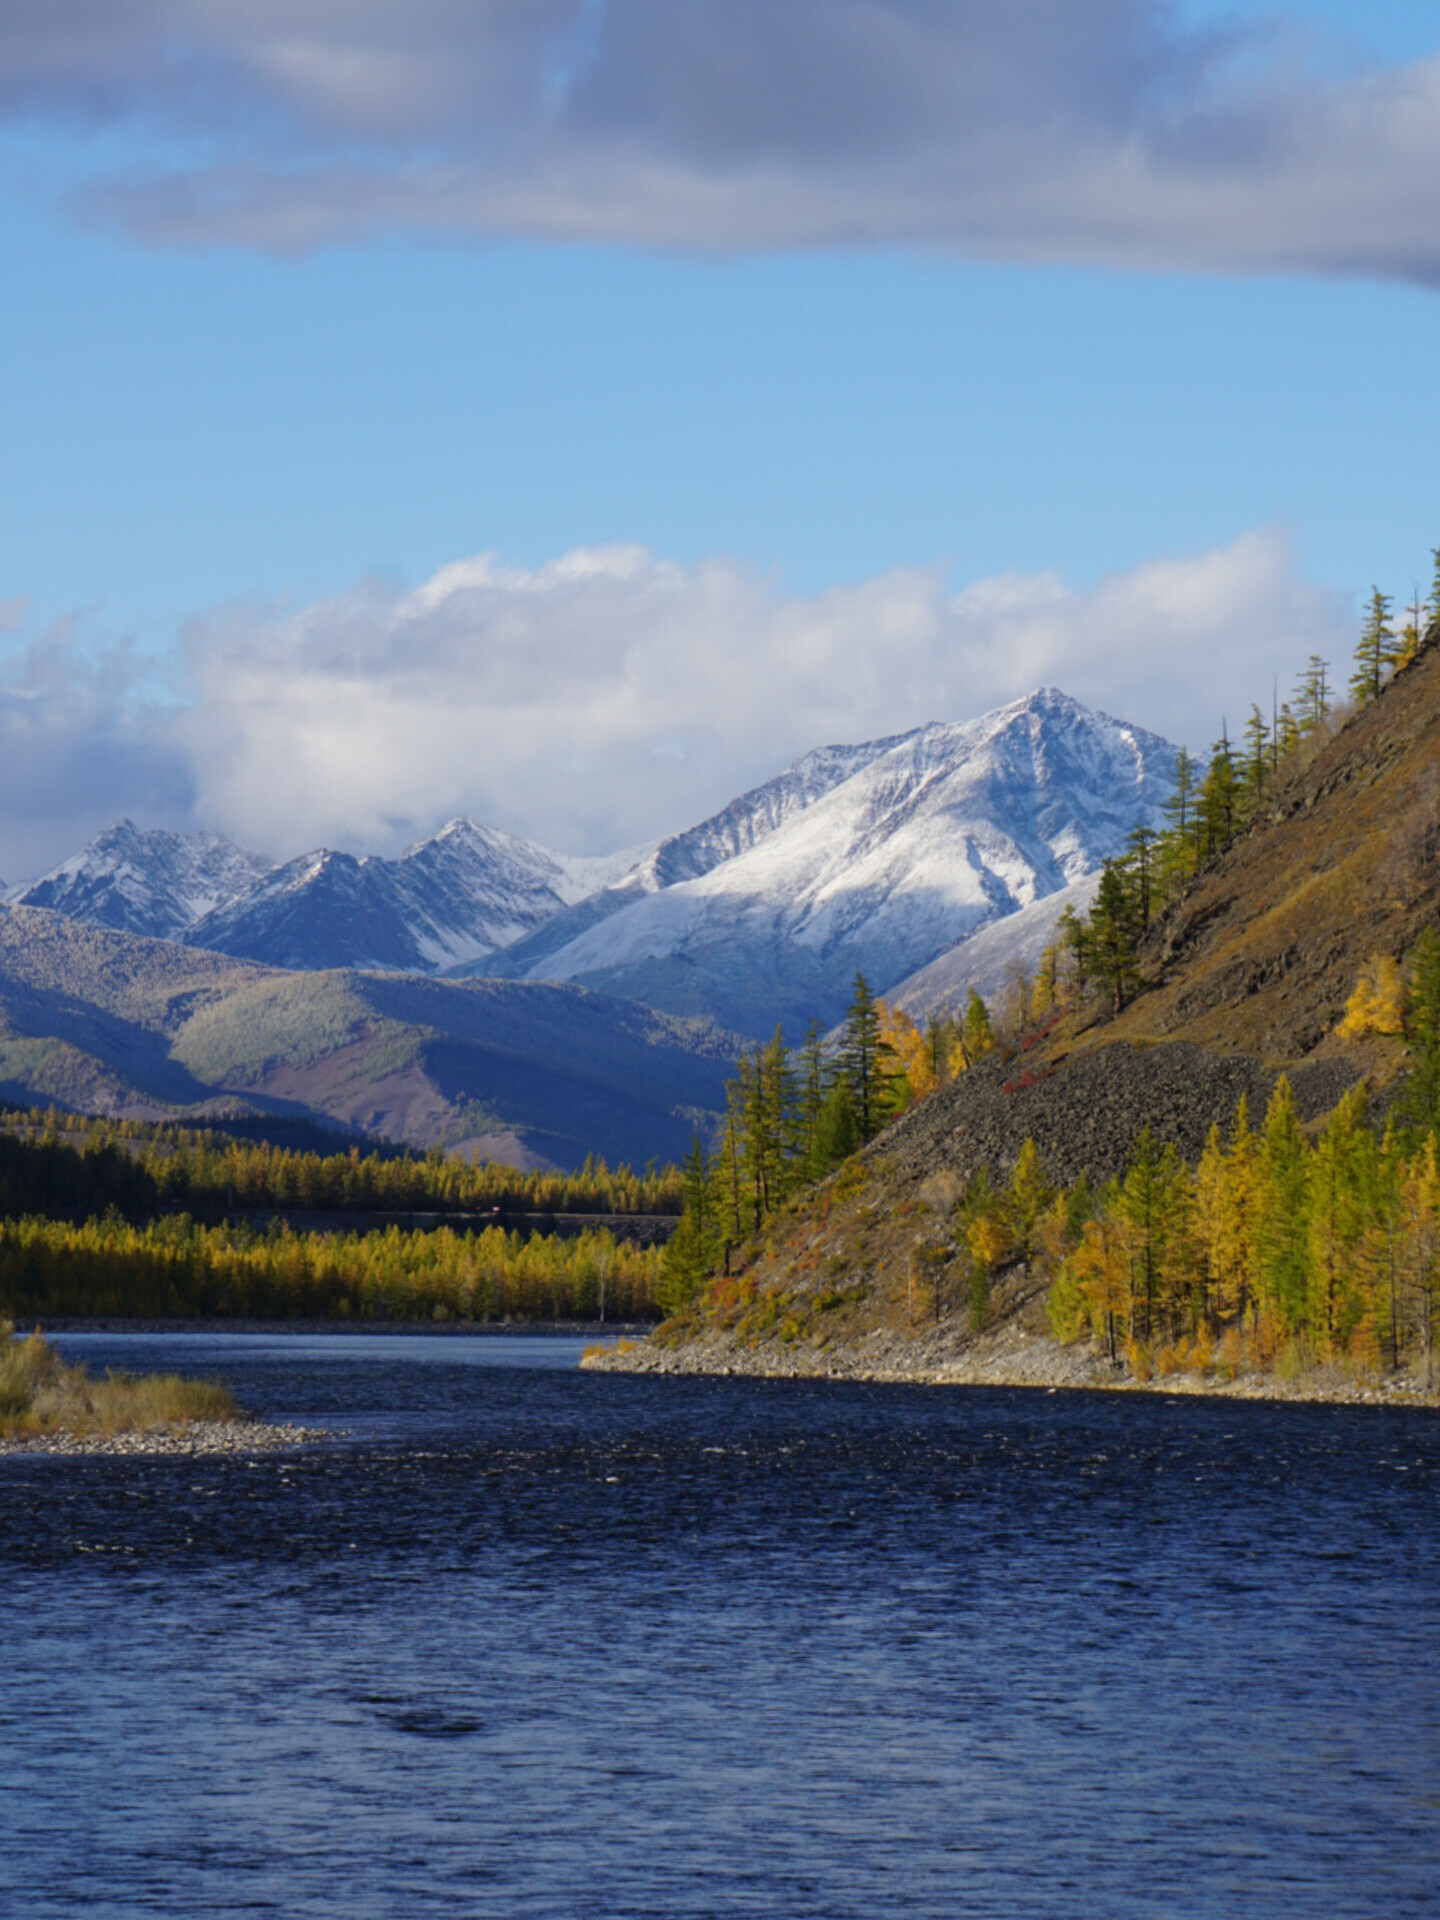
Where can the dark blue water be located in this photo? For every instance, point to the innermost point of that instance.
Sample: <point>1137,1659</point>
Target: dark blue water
<point>525,1641</point>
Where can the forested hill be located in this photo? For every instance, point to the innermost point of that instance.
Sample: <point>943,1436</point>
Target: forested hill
<point>109,1023</point>
<point>1207,1133</point>
<point>1262,950</point>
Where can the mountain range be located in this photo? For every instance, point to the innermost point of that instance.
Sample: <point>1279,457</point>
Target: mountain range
<point>882,857</point>
<point>482,992</point>
<point>109,1022</point>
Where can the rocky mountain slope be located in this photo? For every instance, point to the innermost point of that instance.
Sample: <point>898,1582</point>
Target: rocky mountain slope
<point>157,884</point>
<point>927,839</point>
<point>738,827</point>
<point>111,1023</point>
<point>453,898</point>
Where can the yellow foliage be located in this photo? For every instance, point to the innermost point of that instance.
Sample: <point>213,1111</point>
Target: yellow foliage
<point>1378,1003</point>
<point>905,1040</point>
<point>989,1241</point>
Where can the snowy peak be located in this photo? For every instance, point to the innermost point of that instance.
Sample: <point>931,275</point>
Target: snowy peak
<point>447,901</point>
<point>883,855</point>
<point>745,822</point>
<point>930,837</point>
<point>153,883</point>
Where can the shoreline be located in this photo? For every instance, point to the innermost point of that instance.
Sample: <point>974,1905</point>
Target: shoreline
<point>443,1329</point>
<point>1008,1357</point>
<point>195,1439</point>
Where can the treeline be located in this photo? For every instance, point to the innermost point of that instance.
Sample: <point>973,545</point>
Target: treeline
<point>1213,802</point>
<point>52,1163</point>
<point>173,1269</point>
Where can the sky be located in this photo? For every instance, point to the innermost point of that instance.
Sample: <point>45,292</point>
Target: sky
<point>566,412</point>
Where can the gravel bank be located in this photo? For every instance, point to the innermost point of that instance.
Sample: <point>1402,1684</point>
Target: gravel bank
<point>199,1437</point>
<point>1008,1357</point>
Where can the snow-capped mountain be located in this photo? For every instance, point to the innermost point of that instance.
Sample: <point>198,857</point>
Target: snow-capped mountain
<point>926,839</point>
<point>884,856</point>
<point>447,900</point>
<point>738,827</point>
<point>155,883</point>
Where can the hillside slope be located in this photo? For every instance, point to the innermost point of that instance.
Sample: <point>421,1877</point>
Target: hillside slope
<point>1248,976</point>
<point>111,1023</point>
<point>1262,951</point>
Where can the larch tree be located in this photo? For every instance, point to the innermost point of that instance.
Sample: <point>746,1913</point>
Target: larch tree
<point>1374,651</point>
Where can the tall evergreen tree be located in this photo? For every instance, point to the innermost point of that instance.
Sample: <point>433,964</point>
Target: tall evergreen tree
<point>1220,794</point>
<point>1111,940</point>
<point>1374,651</point>
<point>1140,868</point>
<point>811,1099</point>
<point>1257,759</point>
<point>1312,697</point>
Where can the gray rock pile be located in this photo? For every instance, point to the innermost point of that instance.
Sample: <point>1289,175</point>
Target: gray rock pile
<point>1084,1114</point>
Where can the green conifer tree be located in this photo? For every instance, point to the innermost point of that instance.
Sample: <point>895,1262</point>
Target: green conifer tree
<point>1374,651</point>
<point>1312,698</point>
<point>1111,939</point>
<point>862,1057</point>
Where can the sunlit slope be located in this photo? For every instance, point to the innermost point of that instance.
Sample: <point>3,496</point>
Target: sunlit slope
<point>1262,952</point>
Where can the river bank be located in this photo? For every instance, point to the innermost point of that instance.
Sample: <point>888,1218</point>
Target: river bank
<point>196,1439</point>
<point>445,1329</point>
<point>1009,1356</point>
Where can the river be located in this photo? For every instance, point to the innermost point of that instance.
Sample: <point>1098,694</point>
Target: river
<point>517,1640</point>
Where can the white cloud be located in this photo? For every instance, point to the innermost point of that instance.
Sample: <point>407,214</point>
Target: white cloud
<point>611,696</point>
<point>1037,130</point>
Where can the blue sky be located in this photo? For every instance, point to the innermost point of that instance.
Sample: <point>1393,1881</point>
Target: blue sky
<point>873,425</point>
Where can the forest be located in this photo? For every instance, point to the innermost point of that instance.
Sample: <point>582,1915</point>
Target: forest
<point>97,1220</point>
<point>172,1268</point>
<point>53,1162</point>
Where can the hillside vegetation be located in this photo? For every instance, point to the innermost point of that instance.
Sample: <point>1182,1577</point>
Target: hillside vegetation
<point>1202,1141</point>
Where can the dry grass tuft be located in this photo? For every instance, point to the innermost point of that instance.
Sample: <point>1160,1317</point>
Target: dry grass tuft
<point>40,1394</point>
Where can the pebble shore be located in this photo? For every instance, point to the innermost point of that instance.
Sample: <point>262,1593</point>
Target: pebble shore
<point>196,1438</point>
<point>1009,1357</point>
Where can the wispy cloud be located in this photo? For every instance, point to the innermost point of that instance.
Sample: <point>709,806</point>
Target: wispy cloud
<point>608,696</point>
<point>1038,130</point>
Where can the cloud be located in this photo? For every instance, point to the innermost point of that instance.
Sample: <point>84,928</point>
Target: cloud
<point>82,741</point>
<point>610,696</point>
<point>1042,130</point>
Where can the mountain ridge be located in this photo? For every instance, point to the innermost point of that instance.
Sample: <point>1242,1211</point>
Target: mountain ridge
<point>115,1023</point>
<point>939,833</point>
<point>881,855</point>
